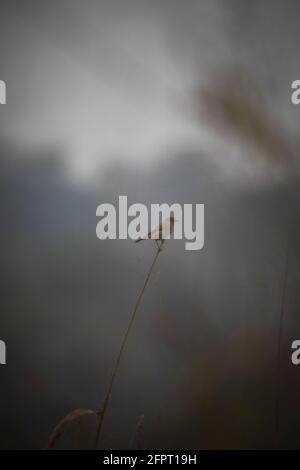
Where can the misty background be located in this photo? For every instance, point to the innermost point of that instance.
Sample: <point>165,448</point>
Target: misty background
<point>149,99</point>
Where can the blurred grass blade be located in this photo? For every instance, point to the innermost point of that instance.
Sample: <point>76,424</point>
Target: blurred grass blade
<point>62,425</point>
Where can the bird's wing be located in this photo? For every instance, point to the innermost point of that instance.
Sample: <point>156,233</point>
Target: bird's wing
<point>166,229</point>
<point>161,232</point>
<point>155,233</point>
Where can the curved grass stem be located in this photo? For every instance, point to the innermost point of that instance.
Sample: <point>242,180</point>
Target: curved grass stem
<point>103,409</point>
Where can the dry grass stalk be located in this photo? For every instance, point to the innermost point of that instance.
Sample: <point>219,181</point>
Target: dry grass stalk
<point>62,425</point>
<point>138,433</point>
<point>123,344</point>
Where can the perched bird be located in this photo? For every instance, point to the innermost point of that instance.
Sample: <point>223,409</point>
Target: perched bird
<point>161,232</point>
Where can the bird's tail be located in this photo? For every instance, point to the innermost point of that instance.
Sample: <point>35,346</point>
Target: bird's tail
<point>138,240</point>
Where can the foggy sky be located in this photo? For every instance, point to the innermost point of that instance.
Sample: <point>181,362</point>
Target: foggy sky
<point>113,80</point>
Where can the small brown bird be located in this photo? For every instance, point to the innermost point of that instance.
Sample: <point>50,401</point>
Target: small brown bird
<point>162,231</point>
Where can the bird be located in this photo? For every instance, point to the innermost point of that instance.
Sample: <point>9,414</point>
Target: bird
<point>161,231</point>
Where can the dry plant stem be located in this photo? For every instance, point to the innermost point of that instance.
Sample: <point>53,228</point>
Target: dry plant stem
<point>123,344</point>
<point>279,341</point>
